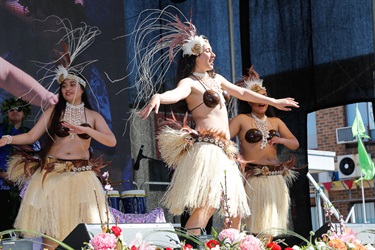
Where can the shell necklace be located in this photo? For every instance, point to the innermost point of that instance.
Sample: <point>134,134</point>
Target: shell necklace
<point>263,127</point>
<point>74,114</point>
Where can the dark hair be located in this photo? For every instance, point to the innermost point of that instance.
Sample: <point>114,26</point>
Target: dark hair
<point>185,67</point>
<point>55,119</point>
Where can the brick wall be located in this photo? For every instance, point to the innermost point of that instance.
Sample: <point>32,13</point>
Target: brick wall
<point>343,198</point>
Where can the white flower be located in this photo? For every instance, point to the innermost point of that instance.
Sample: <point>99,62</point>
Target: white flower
<point>193,46</point>
<point>296,247</point>
<point>105,174</point>
<point>369,247</point>
<point>321,245</point>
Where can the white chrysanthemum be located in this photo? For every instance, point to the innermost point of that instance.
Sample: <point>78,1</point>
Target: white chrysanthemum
<point>193,46</point>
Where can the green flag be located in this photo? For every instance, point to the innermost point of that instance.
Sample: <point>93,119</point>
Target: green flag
<point>365,162</point>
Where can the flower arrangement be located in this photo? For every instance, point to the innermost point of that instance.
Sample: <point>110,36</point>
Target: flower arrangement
<point>111,237</point>
<point>340,238</point>
<point>336,238</point>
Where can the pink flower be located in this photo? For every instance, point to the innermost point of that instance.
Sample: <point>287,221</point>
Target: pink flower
<point>104,241</point>
<point>230,235</point>
<point>250,243</point>
<point>348,236</point>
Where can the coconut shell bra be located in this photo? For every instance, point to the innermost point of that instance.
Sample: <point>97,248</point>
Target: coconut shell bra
<point>254,135</point>
<point>211,98</point>
<point>62,131</point>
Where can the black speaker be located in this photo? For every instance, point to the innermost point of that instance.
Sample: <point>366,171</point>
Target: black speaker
<point>158,234</point>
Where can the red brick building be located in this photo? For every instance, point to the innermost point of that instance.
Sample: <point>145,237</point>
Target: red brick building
<point>341,190</point>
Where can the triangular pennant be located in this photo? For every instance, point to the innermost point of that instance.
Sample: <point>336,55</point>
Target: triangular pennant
<point>349,183</point>
<point>327,185</point>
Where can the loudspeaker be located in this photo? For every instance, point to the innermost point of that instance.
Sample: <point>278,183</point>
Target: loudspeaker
<point>19,244</point>
<point>158,234</point>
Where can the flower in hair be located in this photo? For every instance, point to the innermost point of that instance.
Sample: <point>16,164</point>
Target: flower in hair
<point>193,46</point>
<point>253,82</point>
<point>61,73</point>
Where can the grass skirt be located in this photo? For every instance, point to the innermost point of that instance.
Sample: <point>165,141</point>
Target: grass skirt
<point>203,173</point>
<point>269,203</point>
<point>63,201</point>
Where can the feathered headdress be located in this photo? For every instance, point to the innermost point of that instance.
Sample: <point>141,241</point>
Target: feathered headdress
<point>252,81</point>
<point>74,42</point>
<point>158,36</point>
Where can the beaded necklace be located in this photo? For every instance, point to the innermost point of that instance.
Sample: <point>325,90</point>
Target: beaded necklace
<point>74,114</point>
<point>263,127</point>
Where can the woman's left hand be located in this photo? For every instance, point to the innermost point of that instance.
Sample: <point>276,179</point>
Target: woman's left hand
<point>74,129</point>
<point>276,140</point>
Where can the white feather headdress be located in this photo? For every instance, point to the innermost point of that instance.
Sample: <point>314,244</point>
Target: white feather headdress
<point>252,81</point>
<point>158,36</point>
<point>74,42</point>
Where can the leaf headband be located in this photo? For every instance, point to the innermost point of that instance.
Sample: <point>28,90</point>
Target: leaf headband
<point>15,102</point>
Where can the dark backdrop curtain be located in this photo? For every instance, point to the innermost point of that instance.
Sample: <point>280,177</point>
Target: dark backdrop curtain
<point>319,52</point>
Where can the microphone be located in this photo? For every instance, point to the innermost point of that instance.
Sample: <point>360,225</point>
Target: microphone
<point>139,158</point>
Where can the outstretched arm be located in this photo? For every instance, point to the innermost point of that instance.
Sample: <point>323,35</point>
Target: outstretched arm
<point>251,96</point>
<point>33,135</point>
<point>20,84</point>
<point>182,91</point>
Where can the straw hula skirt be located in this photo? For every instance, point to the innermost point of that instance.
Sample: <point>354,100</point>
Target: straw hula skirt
<point>205,172</point>
<point>55,203</point>
<point>268,192</point>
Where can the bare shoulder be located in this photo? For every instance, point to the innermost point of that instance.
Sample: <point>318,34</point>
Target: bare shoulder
<point>187,81</point>
<point>92,113</point>
<point>219,78</point>
<point>240,118</point>
<point>276,120</point>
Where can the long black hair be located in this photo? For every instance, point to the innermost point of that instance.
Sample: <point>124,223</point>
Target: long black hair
<point>56,115</point>
<point>185,67</point>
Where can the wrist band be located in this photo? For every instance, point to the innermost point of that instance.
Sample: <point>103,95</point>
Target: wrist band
<point>9,138</point>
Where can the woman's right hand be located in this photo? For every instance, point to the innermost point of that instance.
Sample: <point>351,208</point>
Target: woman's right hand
<point>3,141</point>
<point>153,104</point>
<point>285,104</point>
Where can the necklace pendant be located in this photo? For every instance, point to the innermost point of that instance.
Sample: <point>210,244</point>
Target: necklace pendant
<point>72,136</point>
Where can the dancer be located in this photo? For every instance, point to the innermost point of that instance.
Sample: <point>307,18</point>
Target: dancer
<point>206,176</point>
<point>64,189</point>
<point>259,133</point>
<point>15,111</point>
<point>56,200</point>
<point>22,85</point>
